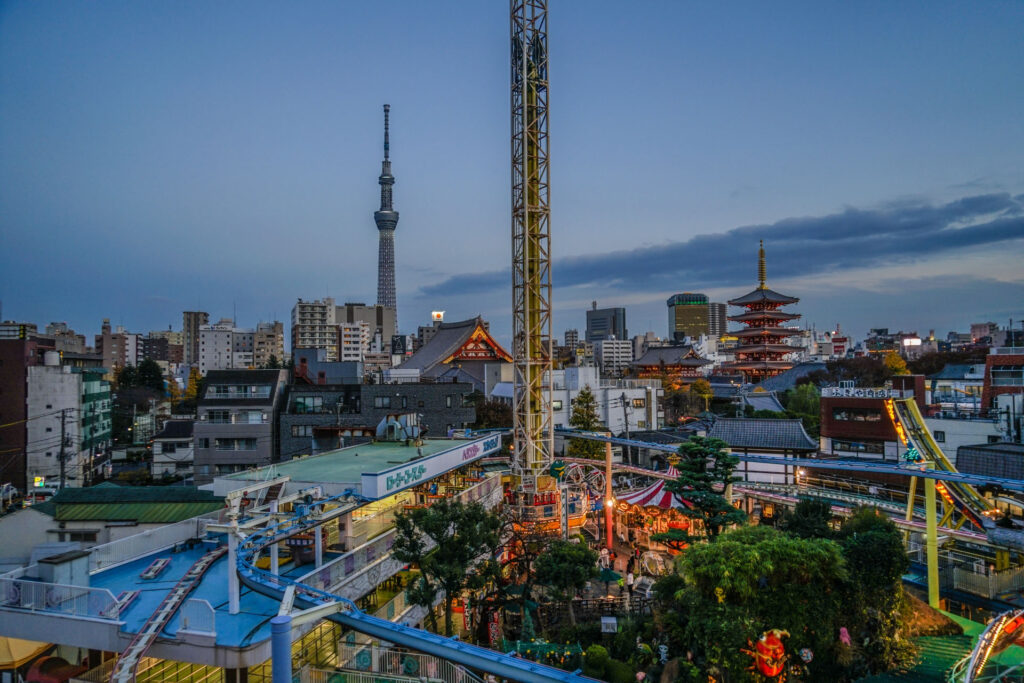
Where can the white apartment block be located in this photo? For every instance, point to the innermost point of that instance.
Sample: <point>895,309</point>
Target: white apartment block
<point>354,341</point>
<point>225,347</point>
<point>613,355</point>
<point>314,326</point>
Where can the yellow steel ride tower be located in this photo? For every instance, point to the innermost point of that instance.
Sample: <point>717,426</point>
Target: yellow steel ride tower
<point>531,250</point>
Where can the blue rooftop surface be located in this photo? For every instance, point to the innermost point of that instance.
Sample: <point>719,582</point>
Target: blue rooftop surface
<point>250,625</point>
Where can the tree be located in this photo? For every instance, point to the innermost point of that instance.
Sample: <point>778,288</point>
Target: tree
<point>705,473</point>
<point>445,540</point>
<point>173,391</point>
<point>895,364</point>
<point>272,363</point>
<point>702,389</point>
<point>810,518</point>
<point>877,561</point>
<point>755,578</point>
<point>149,375</point>
<point>127,378</point>
<point>804,402</point>
<point>490,414</point>
<point>565,568</point>
<point>584,417</point>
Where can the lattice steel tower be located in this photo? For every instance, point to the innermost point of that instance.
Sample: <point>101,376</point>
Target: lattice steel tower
<point>387,220</point>
<point>531,245</point>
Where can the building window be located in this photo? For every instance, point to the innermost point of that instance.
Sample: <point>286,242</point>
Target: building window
<point>419,404</point>
<point>991,439</point>
<point>556,404</point>
<point>302,430</point>
<point>876,447</point>
<point>448,401</point>
<point>250,417</point>
<point>381,401</point>
<point>639,403</point>
<point>49,429</point>
<point>940,436</point>
<point>204,443</point>
<point>220,417</point>
<point>307,405</point>
<point>235,444</point>
<point>169,448</point>
<point>405,401</point>
<point>856,415</point>
<point>83,536</point>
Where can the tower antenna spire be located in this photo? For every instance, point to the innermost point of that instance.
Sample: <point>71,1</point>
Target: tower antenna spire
<point>762,268</point>
<point>386,219</point>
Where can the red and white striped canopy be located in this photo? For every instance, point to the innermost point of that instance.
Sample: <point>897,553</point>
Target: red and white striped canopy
<point>672,472</point>
<point>655,495</point>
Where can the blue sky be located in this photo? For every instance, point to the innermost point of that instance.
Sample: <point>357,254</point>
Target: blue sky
<point>156,157</point>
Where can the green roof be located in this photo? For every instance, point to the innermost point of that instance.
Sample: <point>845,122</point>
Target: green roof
<point>142,513</point>
<point>141,504</point>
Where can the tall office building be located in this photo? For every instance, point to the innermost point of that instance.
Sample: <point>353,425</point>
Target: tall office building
<point>718,320</point>
<point>382,320</point>
<point>606,322</point>
<point>191,320</point>
<point>687,316</point>
<point>387,220</point>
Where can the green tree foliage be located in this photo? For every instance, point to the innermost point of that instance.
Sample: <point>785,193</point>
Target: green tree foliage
<point>584,417</point>
<point>810,518</point>
<point>803,402</point>
<point>877,561</point>
<point>490,414</point>
<point>150,375</point>
<point>445,540</point>
<point>705,473</point>
<point>193,392</point>
<point>753,579</point>
<point>272,363</point>
<point>701,388</point>
<point>931,363</point>
<point>565,568</point>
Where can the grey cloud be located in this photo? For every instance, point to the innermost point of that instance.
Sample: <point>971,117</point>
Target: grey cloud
<point>853,238</point>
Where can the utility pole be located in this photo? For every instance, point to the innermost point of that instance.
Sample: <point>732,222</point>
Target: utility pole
<point>63,473</point>
<point>625,418</point>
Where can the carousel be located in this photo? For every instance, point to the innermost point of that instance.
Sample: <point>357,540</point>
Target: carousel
<point>651,510</point>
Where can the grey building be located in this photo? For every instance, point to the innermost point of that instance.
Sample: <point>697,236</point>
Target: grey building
<point>236,426</point>
<point>718,319</point>
<point>606,322</point>
<point>317,417</point>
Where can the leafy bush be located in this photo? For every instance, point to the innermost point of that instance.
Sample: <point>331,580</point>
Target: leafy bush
<point>596,662</point>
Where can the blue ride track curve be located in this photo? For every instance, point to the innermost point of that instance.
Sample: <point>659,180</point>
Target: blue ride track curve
<point>472,656</point>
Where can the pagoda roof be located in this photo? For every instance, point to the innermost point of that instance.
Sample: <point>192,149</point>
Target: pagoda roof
<point>758,365</point>
<point>779,348</point>
<point>448,343</point>
<point>764,332</point>
<point>751,316</point>
<point>759,295</point>
<point>672,355</point>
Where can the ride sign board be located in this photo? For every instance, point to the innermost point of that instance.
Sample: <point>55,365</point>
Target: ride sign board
<point>390,481</point>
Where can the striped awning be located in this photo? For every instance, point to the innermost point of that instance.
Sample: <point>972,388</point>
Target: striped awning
<point>672,472</point>
<point>655,495</point>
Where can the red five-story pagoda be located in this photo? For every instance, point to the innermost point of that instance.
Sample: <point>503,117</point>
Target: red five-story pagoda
<point>763,342</point>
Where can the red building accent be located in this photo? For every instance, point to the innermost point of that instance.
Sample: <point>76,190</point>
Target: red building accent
<point>1003,363</point>
<point>763,346</point>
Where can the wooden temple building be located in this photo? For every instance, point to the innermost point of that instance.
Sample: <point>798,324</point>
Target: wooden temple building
<point>763,349</point>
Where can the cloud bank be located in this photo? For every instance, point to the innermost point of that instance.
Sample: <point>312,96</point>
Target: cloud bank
<point>905,231</point>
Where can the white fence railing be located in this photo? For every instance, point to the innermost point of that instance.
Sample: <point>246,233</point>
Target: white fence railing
<point>372,659</point>
<point>321,676</point>
<point>149,541</point>
<point>368,555</point>
<point>56,598</point>
<point>198,616</point>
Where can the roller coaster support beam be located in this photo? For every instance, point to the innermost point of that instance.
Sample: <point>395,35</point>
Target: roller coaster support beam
<point>233,587</point>
<point>931,542</point>
<point>910,502</point>
<point>609,500</point>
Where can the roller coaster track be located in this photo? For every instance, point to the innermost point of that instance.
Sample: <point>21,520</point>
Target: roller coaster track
<point>128,662</point>
<point>1004,630</point>
<point>913,431</point>
<point>471,656</point>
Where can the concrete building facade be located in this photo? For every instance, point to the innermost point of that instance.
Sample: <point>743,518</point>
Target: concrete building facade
<point>314,326</point>
<point>237,418</point>
<point>190,324</point>
<point>606,322</point>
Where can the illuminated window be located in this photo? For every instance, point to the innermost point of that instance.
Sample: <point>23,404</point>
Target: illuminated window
<point>556,405</point>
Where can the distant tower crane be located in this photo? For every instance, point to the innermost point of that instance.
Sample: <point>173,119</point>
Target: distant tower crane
<point>531,250</point>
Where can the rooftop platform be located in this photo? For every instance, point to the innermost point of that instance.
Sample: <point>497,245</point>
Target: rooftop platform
<point>374,470</point>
